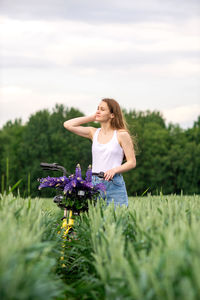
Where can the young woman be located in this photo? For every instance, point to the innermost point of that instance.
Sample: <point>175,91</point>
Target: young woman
<point>110,144</point>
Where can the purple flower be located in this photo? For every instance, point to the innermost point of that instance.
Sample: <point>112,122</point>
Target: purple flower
<point>100,186</point>
<point>53,182</point>
<point>67,188</point>
<point>73,184</point>
<point>78,172</point>
<point>87,186</point>
<point>89,174</point>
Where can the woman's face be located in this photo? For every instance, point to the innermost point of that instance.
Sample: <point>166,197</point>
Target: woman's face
<point>103,113</point>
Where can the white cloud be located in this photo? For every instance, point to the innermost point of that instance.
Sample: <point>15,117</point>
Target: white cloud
<point>184,115</point>
<point>13,91</point>
<point>67,43</point>
<point>101,11</point>
<point>143,62</point>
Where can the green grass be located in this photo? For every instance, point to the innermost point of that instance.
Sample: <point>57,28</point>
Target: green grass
<point>28,255</point>
<point>150,251</point>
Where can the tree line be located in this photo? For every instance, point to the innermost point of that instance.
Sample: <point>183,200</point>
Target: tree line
<point>168,157</point>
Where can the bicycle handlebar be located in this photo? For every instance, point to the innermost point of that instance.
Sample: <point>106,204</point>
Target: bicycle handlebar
<point>53,167</point>
<point>57,167</point>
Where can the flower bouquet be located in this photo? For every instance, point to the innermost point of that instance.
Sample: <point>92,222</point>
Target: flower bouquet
<point>76,190</point>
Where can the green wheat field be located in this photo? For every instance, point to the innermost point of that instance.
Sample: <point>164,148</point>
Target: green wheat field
<point>148,251</point>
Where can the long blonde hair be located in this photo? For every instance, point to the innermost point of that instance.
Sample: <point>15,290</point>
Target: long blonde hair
<point>118,122</point>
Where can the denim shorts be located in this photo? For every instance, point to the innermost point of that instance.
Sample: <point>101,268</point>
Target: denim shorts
<point>115,190</point>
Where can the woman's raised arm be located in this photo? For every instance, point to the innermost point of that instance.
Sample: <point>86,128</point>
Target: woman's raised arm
<point>73,125</point>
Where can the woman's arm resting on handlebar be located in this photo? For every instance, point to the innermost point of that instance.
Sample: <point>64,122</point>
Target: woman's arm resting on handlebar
<point>73,125</point>
<point>127,145</point>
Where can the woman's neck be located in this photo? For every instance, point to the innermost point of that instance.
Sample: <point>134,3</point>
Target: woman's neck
<point>106,128</point>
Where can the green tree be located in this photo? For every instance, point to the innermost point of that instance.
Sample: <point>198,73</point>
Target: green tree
<point>10,139</point>
<point>152,144</point>
<point>167,156</point>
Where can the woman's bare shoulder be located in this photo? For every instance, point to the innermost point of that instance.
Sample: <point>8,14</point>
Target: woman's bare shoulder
<point>92,131</point>
<point>122,135</point>
<point>122,132</point>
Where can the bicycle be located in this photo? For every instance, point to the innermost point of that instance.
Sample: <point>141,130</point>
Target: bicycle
<point>79,193</point>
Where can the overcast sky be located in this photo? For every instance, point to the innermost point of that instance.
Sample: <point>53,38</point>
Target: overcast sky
<point>145,54</point>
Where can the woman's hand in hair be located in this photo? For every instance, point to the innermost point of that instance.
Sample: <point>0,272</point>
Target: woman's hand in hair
<point>93,117</point>
<point>74,125</point>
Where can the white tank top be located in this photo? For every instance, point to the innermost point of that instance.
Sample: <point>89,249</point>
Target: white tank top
<point>106,156</point>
